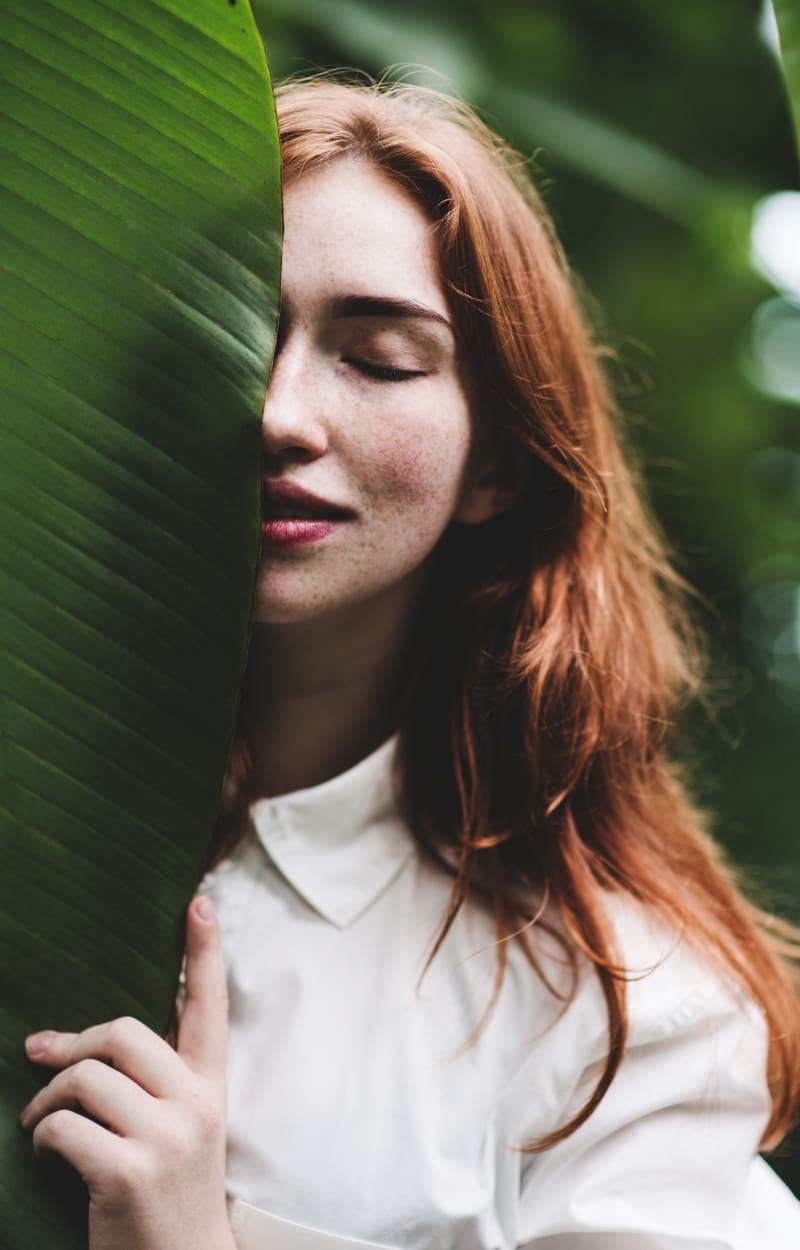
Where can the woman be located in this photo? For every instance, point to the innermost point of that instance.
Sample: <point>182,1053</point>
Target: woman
<point>490,983</point>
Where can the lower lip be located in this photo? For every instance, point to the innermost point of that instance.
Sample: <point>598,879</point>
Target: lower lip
<point>290,532</point>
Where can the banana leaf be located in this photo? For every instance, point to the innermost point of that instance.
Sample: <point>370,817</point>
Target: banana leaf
<point>139,270</point>
<point>787,13</point>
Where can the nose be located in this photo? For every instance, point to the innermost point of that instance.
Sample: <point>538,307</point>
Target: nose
<point>293,427</point>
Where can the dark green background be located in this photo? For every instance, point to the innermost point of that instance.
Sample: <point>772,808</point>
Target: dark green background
<point>655,129</point>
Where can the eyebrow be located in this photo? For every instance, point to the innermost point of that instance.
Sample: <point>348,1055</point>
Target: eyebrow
<point>385,306</point>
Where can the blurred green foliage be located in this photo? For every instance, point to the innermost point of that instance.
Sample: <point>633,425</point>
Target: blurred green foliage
<point>787,13</point>
<point>654,131</point>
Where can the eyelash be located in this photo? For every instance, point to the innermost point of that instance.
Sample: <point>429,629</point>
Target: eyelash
<point>383,373</point>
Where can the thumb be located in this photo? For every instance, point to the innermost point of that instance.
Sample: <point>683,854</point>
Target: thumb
<point>203,1028</point>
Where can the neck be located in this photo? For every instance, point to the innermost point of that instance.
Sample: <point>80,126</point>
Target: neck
<point>322,694</point>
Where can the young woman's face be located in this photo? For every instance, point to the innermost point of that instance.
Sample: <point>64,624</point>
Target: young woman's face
<point>368,408</point>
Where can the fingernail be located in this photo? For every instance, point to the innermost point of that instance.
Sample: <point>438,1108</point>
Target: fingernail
<point>38,1043</point>
<point>204,908</point>
<point>23,1116</point>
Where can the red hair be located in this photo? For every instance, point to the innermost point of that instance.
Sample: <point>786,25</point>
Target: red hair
<point>534,747</point>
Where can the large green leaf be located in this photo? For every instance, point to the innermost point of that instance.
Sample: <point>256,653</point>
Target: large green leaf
<point>787,13</point>
<point>139,265</point>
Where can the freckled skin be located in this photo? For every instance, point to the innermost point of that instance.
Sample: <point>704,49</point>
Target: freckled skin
<point>406,468</point>
<point>396,452</point>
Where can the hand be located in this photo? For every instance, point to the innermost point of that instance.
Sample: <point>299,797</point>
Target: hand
<point>154,1165</point>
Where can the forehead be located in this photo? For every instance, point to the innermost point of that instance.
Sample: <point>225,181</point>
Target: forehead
<point>349,228</point>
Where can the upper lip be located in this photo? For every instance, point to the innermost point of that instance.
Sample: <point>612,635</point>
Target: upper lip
<point>278,492</point>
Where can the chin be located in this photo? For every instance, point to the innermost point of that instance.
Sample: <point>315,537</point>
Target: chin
<point>283,614</point>
<point>276,609</point>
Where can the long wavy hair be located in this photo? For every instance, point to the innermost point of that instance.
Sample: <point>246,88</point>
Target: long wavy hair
<point>534,746</point>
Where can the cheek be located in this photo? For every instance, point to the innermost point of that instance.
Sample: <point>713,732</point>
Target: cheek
<point>404,469</point>
<point>422,464</point>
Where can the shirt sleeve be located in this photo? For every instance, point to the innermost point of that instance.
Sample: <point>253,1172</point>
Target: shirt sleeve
<point>668,1160</point>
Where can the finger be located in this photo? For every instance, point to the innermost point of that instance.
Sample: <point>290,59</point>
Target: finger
<point>133,1049</point>
<point>94,1087</point>
<point>203,1029</point>
<point>97,1155</point>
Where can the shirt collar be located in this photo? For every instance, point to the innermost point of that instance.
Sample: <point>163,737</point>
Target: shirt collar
<point>340,843</point>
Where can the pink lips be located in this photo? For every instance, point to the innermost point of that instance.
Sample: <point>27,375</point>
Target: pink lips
<point>286,532</point>
<point>280,528</point>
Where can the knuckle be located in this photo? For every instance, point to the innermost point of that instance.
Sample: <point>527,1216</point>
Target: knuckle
<point>120,1031</point>
<point>181,1149</point>
<point>51,1131</point>
<point>174,1137</point>
<point>207,1117</point>
<point>135,1172</point>
<point>126,1174</point>
<point>81,1077</point>
<point>125,1025</point>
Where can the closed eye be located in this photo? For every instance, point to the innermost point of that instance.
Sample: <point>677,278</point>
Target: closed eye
<point>383,373</point>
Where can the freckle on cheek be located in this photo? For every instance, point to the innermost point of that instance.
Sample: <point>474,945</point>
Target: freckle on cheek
<point>404,467</point>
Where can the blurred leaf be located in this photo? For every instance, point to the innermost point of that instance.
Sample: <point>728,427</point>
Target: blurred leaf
<point>448,49</point>
<point>787,13</point>
<point>622,161</point>
<point>421,41</point>
<point>139,267</point>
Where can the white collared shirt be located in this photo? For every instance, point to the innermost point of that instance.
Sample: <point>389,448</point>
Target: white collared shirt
<point>359,1115</point>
